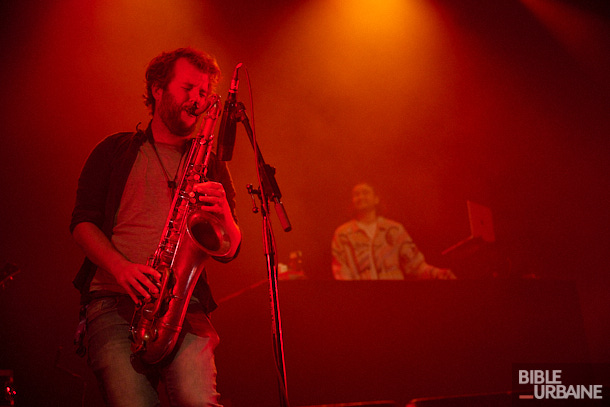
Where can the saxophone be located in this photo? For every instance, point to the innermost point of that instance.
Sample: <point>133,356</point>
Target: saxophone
<point>189,237</point>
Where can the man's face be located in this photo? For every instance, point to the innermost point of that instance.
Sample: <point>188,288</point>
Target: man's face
<point>364,198</point>
<point>189,85</point>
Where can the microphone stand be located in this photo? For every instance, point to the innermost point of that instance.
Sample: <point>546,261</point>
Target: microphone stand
<point>269,191</point>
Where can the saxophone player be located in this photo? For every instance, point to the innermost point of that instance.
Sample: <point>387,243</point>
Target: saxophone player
<point>123,198</point>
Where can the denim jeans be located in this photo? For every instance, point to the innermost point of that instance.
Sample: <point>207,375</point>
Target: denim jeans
<point>188,376</point>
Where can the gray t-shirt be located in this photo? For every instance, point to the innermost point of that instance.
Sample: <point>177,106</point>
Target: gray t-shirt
<point>144,208</point>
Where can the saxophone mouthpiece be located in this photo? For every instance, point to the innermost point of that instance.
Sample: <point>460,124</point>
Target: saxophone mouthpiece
<point>197,110</point>
<point>192,109</point>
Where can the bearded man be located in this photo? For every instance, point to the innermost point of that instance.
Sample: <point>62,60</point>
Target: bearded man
<point>123,199</point>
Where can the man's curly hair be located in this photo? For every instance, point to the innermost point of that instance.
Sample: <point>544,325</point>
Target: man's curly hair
<point>160,70</point>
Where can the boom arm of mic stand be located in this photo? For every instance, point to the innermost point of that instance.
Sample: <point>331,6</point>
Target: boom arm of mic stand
<point>269,187</point>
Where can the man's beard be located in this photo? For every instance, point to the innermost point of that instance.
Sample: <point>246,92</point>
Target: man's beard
<point>170,112</point>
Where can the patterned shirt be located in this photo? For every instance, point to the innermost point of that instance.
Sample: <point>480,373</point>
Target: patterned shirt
<point>389,255</point>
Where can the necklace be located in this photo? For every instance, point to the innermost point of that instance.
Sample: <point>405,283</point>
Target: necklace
<point>171,183</point>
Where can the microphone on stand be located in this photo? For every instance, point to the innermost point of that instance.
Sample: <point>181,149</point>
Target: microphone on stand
<point>226,132</point>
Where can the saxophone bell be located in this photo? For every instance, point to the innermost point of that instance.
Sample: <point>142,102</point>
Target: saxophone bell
<point>208,234</point>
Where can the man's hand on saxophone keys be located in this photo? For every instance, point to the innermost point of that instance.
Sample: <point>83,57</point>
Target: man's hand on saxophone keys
<point>213,199</point>
<point>137,279</point>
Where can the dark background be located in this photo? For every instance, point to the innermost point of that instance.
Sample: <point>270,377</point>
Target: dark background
<point>435,102</point>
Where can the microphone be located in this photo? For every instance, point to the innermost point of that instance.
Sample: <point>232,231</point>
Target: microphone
<point>226,132</point>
